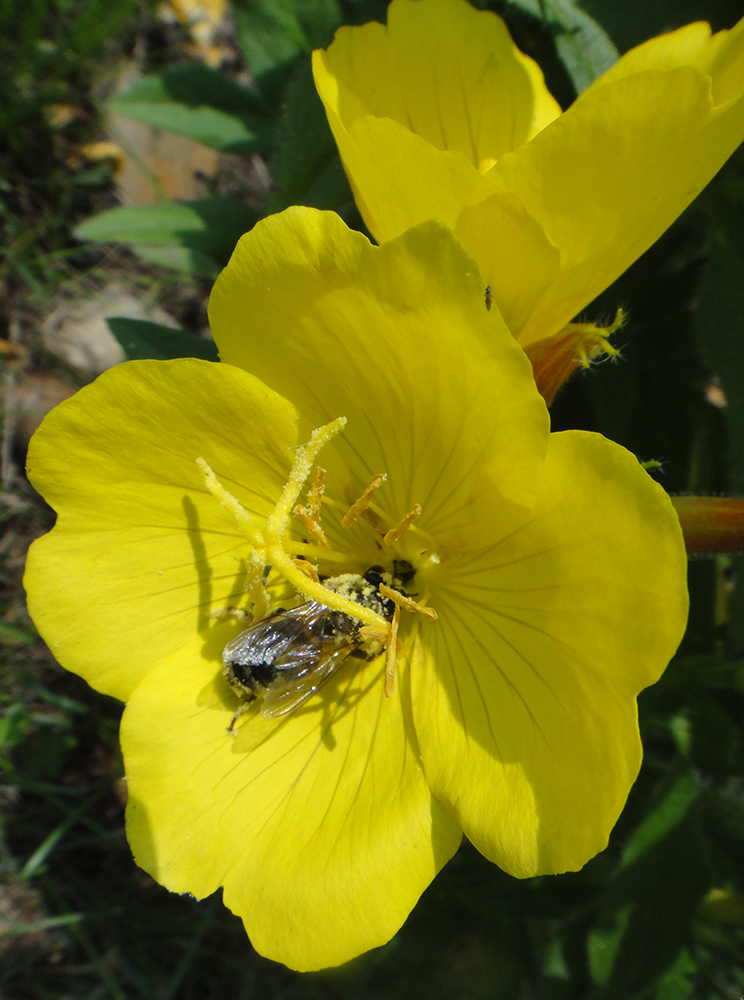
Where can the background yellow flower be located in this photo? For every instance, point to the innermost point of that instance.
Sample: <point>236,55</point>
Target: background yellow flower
<point>438,115</point>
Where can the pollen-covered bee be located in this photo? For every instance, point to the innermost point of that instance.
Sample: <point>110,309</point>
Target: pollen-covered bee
<point>284,658</point>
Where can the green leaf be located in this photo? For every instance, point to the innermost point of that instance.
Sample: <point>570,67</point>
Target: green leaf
<point>630,24</point>
<point>307,167</point>
<point>272,33</point>
<point>195,236</point>
<point>141,339</point>
<point>585,49</point>
<point>202,103</point>
<point>531,7</point>
<point>676,983</point>
<point>649,910</point>
<point>667,814</point>
<point>183,259</point>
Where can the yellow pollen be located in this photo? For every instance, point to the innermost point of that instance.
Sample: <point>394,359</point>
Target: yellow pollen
<point>391,653</point>
<point>400,529</point>
<point>407,603</point>
<point>360,505</point>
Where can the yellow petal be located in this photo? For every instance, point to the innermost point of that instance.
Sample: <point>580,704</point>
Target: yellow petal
<point>528,685</point>
<point>398,340</point>
<point>320,826</point>
<point>515,256</point>
<point>607,178</point>
<point>720,56</point>
<point>141,552</point>
<point>421,106</point>
<point>449,73</point>
<point>398,179</point>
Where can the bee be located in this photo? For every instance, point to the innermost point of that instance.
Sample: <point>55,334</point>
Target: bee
<point>284,658</point>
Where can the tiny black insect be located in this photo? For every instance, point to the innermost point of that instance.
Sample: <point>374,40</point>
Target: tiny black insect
<point>489,296</point>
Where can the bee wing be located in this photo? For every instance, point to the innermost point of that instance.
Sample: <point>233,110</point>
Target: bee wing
<point>277,638</point>
<point>281,701</point>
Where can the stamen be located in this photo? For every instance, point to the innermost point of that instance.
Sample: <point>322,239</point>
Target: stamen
<point>312,526</point>
<point>316,552</point>
<point>315,495</point>
<point>413,528</point>
<point>391,654</point>
<point>307,568</point>
<point>276,523</point>
<point>310,515</point>
<point>407,603</point>
<point>245,522</point>
<point>360,505</point>
<point>591,339</point>
<point>370,633</point>
<point>400,529</point>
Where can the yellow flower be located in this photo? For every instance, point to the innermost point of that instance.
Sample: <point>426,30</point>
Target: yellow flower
<point>555,565</point>
<point>438,115</point>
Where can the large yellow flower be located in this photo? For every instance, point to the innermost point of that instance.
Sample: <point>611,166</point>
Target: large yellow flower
<point>555,564</point>
<point>438,115</point>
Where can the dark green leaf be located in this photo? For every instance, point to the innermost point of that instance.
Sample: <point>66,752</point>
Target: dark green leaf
<point>140,339</point>
<point>531,7</point>
<point>202,103</point>
<point>630,24</point>
<point>273,33</point>
<point>653,900</point>
<point>585,49</point>
<point>667,814</point>
<point>308,169</point>
<point>203,232</point>
<point>184,259</point>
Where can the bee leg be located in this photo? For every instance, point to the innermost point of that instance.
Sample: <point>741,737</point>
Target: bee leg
<point>242,709</point>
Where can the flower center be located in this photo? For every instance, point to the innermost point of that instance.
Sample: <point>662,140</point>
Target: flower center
<point>273,548</point>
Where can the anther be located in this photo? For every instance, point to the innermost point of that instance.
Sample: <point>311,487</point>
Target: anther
<point>391,653</point>
<point>310,515</point>
<point>315,493</point>
<point>400,529</point>
<point>359,506</point>
<point>307,568</point>
<point>312,525</point>
<point>407,603</point>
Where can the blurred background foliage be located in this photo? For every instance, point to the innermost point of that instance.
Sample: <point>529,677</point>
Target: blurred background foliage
<point>660,914</point>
